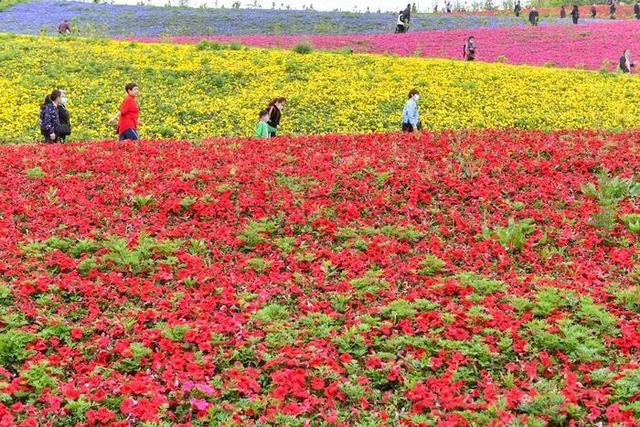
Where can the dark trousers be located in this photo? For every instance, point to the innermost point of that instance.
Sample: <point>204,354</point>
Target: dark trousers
<point>131,134</point>
<point>575,20</point>
<point>408,127</point>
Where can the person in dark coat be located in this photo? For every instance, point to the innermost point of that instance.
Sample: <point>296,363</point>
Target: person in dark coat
<point>275,108</point>
<point>49,119</point>
<point>612,10</point>
<point>517,9</point>
<point>64,130</point>
<point>563,12</point>
<point>534,16</point>
<point>636,10</point>
<point>625,62</point>
<point>575,14</point>
<point>594,11</point>
<point>406,14</point>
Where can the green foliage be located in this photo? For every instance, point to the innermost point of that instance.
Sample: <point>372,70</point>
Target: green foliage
<point>142,201</point>
<point>255,231</point>
<point>272,313</point>
<point>175,333</point>
<point>303,48</point>
<point>431,265</point>
<point>371,283</point>
<point>514,235</point>
<point>609,193</point>
<point>632,222</point>
<point>480,284</point>
<point>626,388</point>
<point>35,173</point>
<point>259,265</point>
<point>13,348</point>
<point>351,341</point>
<point>38,377</point>
<point>407,233</point>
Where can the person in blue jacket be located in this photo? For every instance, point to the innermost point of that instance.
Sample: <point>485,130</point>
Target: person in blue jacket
<point>411,113</point>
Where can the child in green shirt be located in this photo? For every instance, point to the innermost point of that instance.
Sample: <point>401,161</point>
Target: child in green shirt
<point>263,129</point>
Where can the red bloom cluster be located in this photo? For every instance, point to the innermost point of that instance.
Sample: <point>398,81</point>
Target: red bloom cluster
<point>452,278</point>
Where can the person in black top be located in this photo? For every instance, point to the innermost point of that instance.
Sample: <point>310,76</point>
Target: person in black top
<point>612,10</point>
<point>636,10</point>
<point>275,108</point>
<point>594,11</point>
<point>575,14</point>
<point>64,130</point>
<point>625,62</point>
<point>406,14</point>
<point>563,12</point>
<point>517,9</point>
<point>534,16</point>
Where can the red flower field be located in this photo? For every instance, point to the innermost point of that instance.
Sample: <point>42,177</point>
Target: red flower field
<point>479,278</point>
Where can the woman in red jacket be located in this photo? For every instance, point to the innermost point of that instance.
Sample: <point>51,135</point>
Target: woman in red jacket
<point>129,114</point>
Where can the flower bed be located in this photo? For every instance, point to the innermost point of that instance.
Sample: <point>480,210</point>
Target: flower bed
<point>593,46</point>
<point>144,21</point>
<point>212,90</point>
<point>464,278</point>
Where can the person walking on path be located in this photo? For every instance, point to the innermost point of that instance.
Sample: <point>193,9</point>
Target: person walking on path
<point>64,130</point>
<point>275,108</point>
<point>517,9</point>
<point>612,10</point>
<point>625,62</point>
<point>469,50</point>
<point>563,12</point>
<point>411,113</point>
<point>594,11</point>
<point>263,130</point>
<point>575,14</point>
<point>534,16</point>
<point>636,9</point>
<point>129,114</point>
<point>49,119</point>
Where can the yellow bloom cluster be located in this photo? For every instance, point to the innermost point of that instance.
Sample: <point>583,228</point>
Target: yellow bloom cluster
<point>191,91</point>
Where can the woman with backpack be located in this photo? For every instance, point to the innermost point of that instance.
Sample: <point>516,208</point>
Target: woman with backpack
<point>469,49</point>
<point>411,113</point>
<point>49,118</point>
<point>275,108</point>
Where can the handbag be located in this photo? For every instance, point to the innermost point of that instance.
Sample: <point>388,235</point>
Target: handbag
<point>63,129</point>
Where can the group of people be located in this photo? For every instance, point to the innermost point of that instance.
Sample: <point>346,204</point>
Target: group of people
<point>534,16</point>
<point>404,18</point>
<point>55,123</point>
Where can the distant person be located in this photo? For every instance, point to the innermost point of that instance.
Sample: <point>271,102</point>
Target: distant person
<point>275,108</point>
<point>64,130</point>
<point>563,12</point>
<point>448,5</point>
<point>534,16</point>
<point>128,116</point>
<point>263,130</point>
<point>406,14</point>
<point>401,26</point>
<point>469,50</point>
<point>575,14</point>
<point>612,10</point>
<point>636,10</point>
<point>49,119</point>
<point>411,113</point>
<point>625,62</point>
<point>517,9</point>
<point>64,28</point>
<point>594,11</point>
<point>435,8</point>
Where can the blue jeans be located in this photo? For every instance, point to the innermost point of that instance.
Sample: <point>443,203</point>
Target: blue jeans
<point>129,134</point>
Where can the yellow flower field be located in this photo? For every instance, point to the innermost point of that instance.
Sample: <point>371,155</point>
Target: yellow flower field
<point>201,91</point>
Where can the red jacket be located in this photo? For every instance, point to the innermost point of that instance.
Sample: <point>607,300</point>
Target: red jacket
<point>129,112</point>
